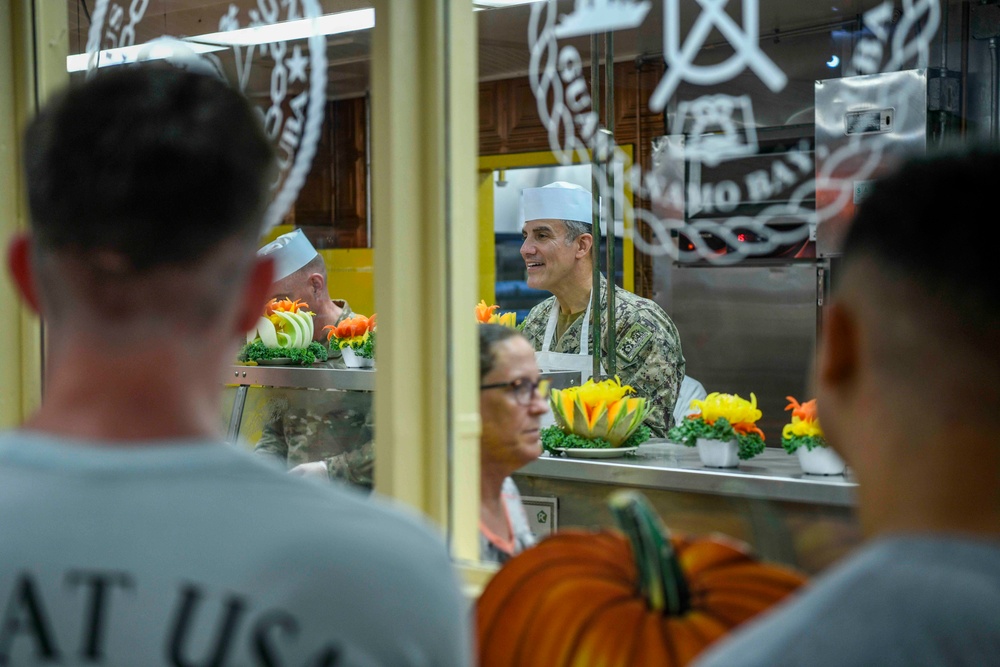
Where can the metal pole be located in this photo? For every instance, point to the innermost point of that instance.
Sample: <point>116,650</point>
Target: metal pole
<point>609,201</point>
<point>994,90</point>
<point>595,189</point>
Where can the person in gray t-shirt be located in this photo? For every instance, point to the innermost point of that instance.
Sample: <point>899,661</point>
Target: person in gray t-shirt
<point>908,388</point>
<point>132,534</point>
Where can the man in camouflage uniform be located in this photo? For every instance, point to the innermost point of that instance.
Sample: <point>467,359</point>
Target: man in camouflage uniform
<point>557,254</point>
<point>326,433</point>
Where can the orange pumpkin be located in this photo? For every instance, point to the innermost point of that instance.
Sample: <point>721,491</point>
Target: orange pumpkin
<point>584,598</point>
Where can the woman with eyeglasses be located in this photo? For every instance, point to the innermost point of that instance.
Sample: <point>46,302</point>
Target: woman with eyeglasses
<point>511,404</point>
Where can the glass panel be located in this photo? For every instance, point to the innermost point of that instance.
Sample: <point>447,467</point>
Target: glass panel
<point>320,432</point>
<point>755,129</point>
<point>310,83</point>
<point>311,89</point>
<point>752,151</point>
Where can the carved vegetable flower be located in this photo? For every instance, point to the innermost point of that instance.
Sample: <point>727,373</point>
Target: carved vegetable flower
<point>285,324</point>
<point>723,417</point>
<point>356,332</point>
<point>487,315</point>
<point>600,412</point>
<point>804,430</point>
<point>741,414</point>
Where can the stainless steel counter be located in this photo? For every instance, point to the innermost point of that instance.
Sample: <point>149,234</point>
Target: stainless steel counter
<point>318,377</point>
<point>772,475</point>
<point>344,379</point>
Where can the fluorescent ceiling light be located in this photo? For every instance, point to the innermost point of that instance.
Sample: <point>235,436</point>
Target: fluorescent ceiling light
<point>328,24</point>
<point>129,54</point>
<point>480,5</point>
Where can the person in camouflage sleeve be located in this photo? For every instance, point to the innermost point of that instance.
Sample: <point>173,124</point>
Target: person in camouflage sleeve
<point>557,254</point>
<point>321,433</point>
<point>316,434</point>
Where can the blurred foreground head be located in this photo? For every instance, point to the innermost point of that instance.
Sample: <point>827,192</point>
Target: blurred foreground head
<point>140,178</point>
<point>909,366</point>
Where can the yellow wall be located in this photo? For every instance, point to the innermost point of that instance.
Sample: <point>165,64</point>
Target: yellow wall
<point>487,252</point>
<point>350,273</point>
<point>33,48</point>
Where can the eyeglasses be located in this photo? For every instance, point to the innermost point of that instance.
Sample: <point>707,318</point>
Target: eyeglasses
<point>523,389</point>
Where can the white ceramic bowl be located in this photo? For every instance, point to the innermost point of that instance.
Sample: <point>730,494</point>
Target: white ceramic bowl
<point>352,360</point>
<point>718,453</point>
<point>820,461</point>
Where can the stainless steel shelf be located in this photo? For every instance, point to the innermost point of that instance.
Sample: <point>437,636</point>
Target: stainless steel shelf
<point>344,379</point>
<point>773,475</point>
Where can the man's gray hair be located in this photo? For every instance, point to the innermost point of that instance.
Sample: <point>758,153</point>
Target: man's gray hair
<point>574,228</point>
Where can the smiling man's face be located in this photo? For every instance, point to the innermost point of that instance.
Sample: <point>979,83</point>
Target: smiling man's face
<point>549,259</point>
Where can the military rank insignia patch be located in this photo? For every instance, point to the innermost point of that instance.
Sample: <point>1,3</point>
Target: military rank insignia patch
<point>633,341</point>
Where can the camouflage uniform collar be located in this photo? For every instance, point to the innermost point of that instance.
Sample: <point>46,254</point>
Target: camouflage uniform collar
<point>604,294</point>
<point>345,310</point>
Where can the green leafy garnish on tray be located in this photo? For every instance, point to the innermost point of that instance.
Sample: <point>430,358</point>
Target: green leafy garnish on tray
<point>689,430</point>
<point>256,351</point>
<point>554,438</point>
<point>808,441</point>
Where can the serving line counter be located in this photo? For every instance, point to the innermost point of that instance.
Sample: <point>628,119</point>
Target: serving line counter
<point>804,520</point>
<point>256,395</point>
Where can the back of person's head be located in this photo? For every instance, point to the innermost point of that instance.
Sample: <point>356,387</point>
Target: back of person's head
<point>148,165</point>
<point>918,260</point>
<point>489,336</point>
<point>908,370</point>
<point>147,188</point>
<point>929,222</point>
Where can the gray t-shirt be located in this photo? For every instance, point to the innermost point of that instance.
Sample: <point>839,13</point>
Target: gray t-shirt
<point>197,553</point>
<point>902,601</point>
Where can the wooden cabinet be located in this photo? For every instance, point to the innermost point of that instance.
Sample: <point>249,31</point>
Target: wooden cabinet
<point>332,207</point>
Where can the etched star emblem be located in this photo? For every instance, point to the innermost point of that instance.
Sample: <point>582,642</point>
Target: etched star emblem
<point>297,65</point>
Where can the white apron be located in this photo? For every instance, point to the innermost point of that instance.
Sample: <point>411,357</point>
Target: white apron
<point>581,362</point>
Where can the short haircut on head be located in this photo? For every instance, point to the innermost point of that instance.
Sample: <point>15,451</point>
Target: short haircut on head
<point>489,336</point>
<point>926,224</point>
<point>297,282</point>
<point>574,229</point>
<point>153,164</point>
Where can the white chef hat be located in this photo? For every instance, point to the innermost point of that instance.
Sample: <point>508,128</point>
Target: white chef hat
<point>290,253</point>
<point>557,201</point>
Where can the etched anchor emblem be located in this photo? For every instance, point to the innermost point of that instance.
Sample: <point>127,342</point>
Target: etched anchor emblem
<point>680,58</point>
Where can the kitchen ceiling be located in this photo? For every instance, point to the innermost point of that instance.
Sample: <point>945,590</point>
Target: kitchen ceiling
<point>503,48</point>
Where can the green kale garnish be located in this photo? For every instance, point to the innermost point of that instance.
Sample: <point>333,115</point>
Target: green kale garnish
<point>688,431</point>
<point>554,438</point>
<point>257,351</point>
<point>750,445</point>
<point>367,349</point>
<point>807,441</point>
